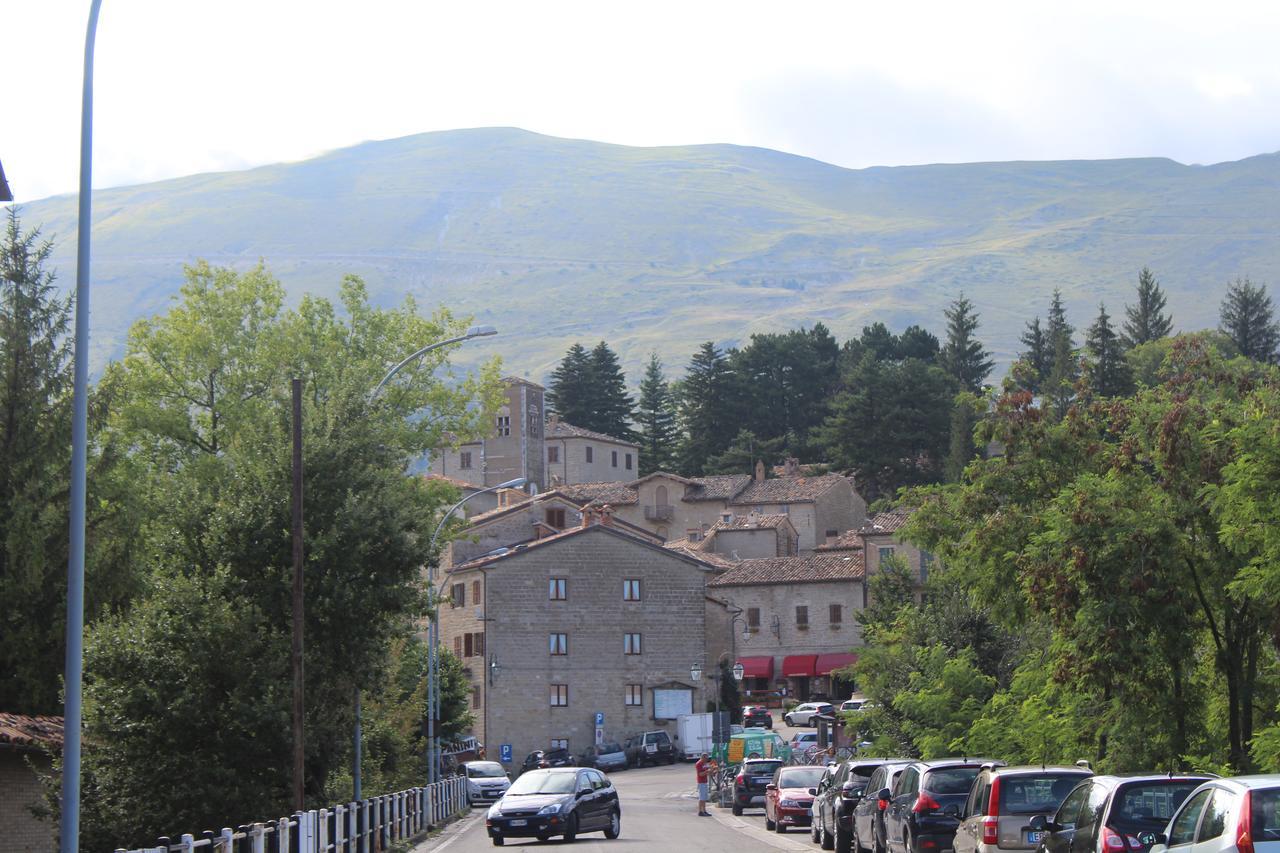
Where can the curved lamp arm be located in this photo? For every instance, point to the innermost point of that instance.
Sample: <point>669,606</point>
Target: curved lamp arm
<point>473,332</point>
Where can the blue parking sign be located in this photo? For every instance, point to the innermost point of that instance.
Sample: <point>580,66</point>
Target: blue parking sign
<point>599,718</point>
<point>504,753</point>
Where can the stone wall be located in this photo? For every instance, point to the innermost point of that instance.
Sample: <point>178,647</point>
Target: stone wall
<point>20,790</point>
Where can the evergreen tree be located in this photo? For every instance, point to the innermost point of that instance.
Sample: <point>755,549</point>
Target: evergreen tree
<point>966,411</point>
<point>782,383</point>
<point>879,340</point>
<point>570,393</point>
<point>1058,325</point>
<point>963,356</point>
<point>747,449</point>
<point>1247,318</point>
<point>918,343</point>
<point>1059,388</point>
<point>704,399</point>
<point>1108,371</point>
<point>614,408</point>
<point>1146,321</point>
<point>1038,355</point>
<point>656,417</point>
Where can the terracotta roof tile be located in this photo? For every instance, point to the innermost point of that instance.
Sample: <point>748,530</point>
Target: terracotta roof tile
<point>850,540</point>
<point>788,489</point>
<point>560,429</point>
<point>887,522</point>
<point>752,521</point>
<point>814,568</point>
<point>24,731</point>
<point>718,487</point>
<point>452,481</point>
<point>610,493</point>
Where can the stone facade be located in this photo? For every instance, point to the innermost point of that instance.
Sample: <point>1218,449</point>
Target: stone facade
<point>20,792</point>
<point>515,703</point>
<point>575,455</point>
<point>879,539</point>
<point>513,448</point>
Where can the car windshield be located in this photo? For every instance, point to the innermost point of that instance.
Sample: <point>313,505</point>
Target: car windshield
<point>1152,803</point>
<point>608,748</point>
<point>761,768</point>
<point>544,783</point>
<point>485,770</point>
<point>951,780</point>
<point>800,777</point>
<point>1266,814</point>
<point>1038,794</point>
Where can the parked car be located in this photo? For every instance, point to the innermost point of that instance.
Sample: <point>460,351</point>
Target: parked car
<point>564,801</point>
<point>750,783</point>
<point>803,740</point>
<point>757,715</point>
<point>1224,816</point>
<point>788,799</point>
<point>487,781</point>
<point>1106,813</point>
<point>868,813</point>
<point>852,705</point>
<point>924,805</point>
<point>607,756</point>
<point>1003,800</point>
<point>803,715</point>
<point>650,748</point>
<point>843,786</point>
<point>543,758</point>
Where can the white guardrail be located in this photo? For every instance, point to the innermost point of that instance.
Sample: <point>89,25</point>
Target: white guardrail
<point>368,826</point>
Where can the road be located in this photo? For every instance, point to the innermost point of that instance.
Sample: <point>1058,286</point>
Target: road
<point>658,814</point>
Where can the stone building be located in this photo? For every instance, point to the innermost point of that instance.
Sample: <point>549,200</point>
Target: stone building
<point>577,455</point>
<point>590,620</point>
<point>879,539</point>
<point>25,743</point>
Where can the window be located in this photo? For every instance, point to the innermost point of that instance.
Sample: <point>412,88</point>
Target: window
<point>1221,805</point>
<point>559,695</point>
<point>615,458</point>
<point>631,644</point>
<point>504,425</point>
<point>1069,811</point>
<point>802,616</point>
<point>832,534</point>
<point>559,743</point>
<point>589,454</point>
<point>475,697</point>
<point>464,460</point>
<point>457,646</point>
<point>635,696</point>
<point>753,618</point>
<point>1183,829</point>
<point>458,595</point>
<point>475,592</point>
<point>835,613</point>
<point>558,589</point>
<point>885,553</point>
<point>468,645</point>
<point>555,517</point>
<point>628,461</point>
<point>558,644</point>
<point>926,560</point>
<point>478,643</point>
<point>553,454</point>
<point>631,589</point>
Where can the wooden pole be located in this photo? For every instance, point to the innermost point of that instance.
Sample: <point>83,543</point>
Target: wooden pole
<point>298,753</point>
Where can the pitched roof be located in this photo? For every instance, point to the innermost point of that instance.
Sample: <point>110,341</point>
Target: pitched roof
<point>717,487</point>
<point>20,730</point>
<point>850,540</point>
<point>498,512</point>
<point>560,429</point>
<point>753,521</point>
<point>814,568</point>
<point>788,489</point>
<point>609,493</point>
<point>452,481</point>
<point>886,522</point>
<point>612,529</point>
<point>697,551</point>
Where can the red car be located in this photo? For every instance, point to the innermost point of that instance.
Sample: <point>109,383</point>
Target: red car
<point>788,800</point>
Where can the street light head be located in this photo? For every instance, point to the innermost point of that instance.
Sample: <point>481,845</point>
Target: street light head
<point>695,672</point>
<point>481,331</point>
<point>514,484</point>
<point>738,671</point>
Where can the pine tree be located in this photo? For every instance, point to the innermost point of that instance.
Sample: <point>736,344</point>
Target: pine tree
<point>1059,387</point>
<point>704,400</point>
<point>1146,321</point>
<point>1038,355</point>
<point>1247,318</point>
<point>1058,327</point>
<point>656,417</point>
<point>963,356</point>
<point>1109,374</point>
<point>614,408</point>
<point>569,393</point>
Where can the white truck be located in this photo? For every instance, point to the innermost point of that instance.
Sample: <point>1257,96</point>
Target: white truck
<point>694,733</point>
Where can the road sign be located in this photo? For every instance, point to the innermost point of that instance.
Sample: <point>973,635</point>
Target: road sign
<point>599,719</point>
<point>504,753</point>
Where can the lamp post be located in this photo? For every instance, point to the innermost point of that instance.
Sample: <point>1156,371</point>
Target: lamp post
<point>433,632</point>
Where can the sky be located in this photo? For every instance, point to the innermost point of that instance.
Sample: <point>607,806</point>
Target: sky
<point>184,87</point>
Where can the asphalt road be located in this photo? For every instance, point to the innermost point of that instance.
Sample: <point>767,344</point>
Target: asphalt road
<point>658,814</point>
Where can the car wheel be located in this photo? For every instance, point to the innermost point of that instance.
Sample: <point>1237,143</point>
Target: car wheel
<point>544,838</point>
<point>768,824</point>
<point>498,842</point>
<point>671,759</point>
<point>828,839</point>
<point>814,835</point>
<point>737,810</point>
<point>779,827</point>
<point>571,829</point>
<point>615,826</point>
<point>787,720</point>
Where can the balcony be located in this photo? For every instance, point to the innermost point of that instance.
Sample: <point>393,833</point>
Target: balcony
<point>659,512</point>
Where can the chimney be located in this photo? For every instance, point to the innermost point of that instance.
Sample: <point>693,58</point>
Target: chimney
<point>553,419</point>
<point>759,471</point>
<point>791,468</point>
<point>606,515</point>
<point>587,514</point>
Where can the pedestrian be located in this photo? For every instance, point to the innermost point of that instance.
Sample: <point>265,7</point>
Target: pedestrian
<point>702,769</point>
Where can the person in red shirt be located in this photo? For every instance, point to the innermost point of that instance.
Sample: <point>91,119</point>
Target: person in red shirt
<point>702,769</point>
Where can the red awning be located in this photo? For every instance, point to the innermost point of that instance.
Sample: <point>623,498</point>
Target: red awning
<point>757,667</point>
<point>828,663</point>
<point>798,666</point>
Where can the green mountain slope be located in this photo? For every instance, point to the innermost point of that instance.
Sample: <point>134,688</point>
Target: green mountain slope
<point>556,240</point>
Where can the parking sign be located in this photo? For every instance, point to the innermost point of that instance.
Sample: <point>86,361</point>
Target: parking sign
<point>599,719</point>
<point>504,753</point>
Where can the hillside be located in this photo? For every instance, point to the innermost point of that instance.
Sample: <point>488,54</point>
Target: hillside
<point>555,240</point>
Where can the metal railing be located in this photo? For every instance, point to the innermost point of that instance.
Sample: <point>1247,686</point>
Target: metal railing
<point>367,826</point>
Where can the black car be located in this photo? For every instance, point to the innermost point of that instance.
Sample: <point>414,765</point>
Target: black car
<point>868,813</point>
<point>749,784</point>
<point>543,758</point>
<point>1107,813</point>
<point>925,803</point>
<point>650,748</point>
<point>841,788</point>
<point>757,716</point>
<point>564,801</point>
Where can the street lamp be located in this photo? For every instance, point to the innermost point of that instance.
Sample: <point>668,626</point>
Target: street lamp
<point>695,672</point>
<point>433,629</point>
<point>738,671</point>
<point>493,668</point>
<point>473,332</point>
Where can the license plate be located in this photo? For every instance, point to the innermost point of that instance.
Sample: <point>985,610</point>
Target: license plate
<point>1034,837</point>
<point>518,823</point>
<point>653,747</point>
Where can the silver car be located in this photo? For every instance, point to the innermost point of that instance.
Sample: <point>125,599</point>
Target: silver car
<point>487,781</point>
<point>1236,815</point>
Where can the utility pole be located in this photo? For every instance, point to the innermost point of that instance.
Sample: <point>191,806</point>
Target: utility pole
<point>298,753</point>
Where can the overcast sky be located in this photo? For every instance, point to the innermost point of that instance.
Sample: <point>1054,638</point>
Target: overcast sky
<point>186,87</point>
